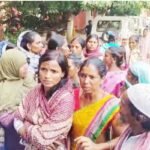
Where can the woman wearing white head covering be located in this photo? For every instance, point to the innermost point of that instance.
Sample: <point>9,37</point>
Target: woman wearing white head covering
<point>135,110</point>
<point>139,72</point>
<point>30,43</point>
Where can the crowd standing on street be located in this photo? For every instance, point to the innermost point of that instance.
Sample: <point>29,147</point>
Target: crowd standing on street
<point>83,94</point>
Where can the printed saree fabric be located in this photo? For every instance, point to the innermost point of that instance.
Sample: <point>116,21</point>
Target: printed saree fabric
<point>142,142</point>
<point>92,120</point>
<point>113,82</point>
<point>47,122</point>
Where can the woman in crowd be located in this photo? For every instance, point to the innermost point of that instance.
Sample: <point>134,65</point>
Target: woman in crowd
<point>30,43</point>
<point>134,109</point>
<point>15,82</point>
<point>134,54</point>
<point>44,117</point>
<point>76,46</point>
<point>109,37</point>
<point>97,119</point>
<point>114,78</point>
<point>145,45</point>
<point>74,63</point>
<point>57,41</point>
<point>138,72</point>
<point>92,46</point>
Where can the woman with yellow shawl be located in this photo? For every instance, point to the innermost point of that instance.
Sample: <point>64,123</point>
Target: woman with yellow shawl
<point>97,120</point>
<point>15,82</point>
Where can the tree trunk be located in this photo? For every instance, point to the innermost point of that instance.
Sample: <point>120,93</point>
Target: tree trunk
<point>70,26</point>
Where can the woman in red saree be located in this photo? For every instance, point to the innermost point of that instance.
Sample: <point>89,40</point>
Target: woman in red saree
<point>44,117</point>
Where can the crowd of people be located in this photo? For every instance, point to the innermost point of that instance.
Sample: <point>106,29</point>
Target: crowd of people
<point>83,94</point>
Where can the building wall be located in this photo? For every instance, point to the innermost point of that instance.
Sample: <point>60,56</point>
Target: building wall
<point>80,21</point>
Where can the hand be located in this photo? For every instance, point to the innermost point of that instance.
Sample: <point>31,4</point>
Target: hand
<point>54,145</point>
<point>85,143</point>
<point>22,131</point>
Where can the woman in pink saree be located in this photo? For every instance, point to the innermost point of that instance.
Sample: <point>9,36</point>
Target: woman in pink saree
<point>115,76</point>
<point>44,117</point>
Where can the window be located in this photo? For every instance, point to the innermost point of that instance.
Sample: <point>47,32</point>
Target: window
<point>103,25</point>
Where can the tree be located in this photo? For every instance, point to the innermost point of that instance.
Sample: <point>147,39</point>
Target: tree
<point>37,15</point>
<point>118,8</point>
<point>54,15</point>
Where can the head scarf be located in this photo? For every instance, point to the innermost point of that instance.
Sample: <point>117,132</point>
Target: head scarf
<point>10,63</point>
<point>142,71</point>
<point>13,88</point>
<point>139,96</point>
<point>93,53</point>
<point>20,38</point>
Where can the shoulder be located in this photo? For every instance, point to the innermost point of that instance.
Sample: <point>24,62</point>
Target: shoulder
<point>65,92</point>
<point>34,91</point>
<point>112,102</point>
<point>29,81</point>
<point>115,99</point>
<point>67,87</point>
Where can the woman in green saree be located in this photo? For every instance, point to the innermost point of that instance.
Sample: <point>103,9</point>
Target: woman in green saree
<point>97,120</point>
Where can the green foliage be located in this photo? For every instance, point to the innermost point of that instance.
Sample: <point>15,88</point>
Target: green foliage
<point>54,15</point>
<point>39,14</point>
<point>123,8</point>
<point>118,8</point>
<point>12,37</point>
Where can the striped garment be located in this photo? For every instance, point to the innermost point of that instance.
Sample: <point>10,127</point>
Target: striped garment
<point>46,121</point>
<point>142,143</point>
<point>92,120</point>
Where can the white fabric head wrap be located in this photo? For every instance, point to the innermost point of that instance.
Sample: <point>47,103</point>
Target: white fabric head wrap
<point>139,96</point>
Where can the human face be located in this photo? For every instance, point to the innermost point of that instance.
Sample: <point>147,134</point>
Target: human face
<point>76,48</point>
<point>132,44</point>
<point>23,71</point>
<point>125,110</point>
<point>108,59</point>
<point>36,46</point>
<point>90,80</point>
<point>124,42</point>
<point>92,44</point>
<point>72,69</point>
<point>131,78</point>
<point>50,74</point>
<point>145,32</point>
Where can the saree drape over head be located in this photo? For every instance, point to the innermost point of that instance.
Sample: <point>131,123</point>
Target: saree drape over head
<point>92,120</point>
<point>13,87</point>
<point>47,122</point>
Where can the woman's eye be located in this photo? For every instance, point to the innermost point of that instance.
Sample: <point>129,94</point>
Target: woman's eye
<point>43,69</point>
<point>92,77</point>
<point>53,71</point>
<point>82,75</point>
